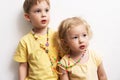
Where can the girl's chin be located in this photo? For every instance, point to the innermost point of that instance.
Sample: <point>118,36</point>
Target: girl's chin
<point>83,50</point>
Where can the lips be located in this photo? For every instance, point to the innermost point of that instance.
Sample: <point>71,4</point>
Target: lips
<point>43,21</point>
<point>82,47</point>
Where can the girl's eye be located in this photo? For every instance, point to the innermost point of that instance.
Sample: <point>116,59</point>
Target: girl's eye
<point>84,35</point>
<point>75,37</point>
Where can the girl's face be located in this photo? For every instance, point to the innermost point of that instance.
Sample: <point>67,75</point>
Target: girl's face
<point>77,39</point>
<point>39,15</point>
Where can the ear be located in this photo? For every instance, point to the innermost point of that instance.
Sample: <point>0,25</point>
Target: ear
<point>64,42</point>
<point>27,17</point>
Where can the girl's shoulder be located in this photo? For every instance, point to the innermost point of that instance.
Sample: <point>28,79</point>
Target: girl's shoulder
<point>94,53</point>
<point>95,56</point>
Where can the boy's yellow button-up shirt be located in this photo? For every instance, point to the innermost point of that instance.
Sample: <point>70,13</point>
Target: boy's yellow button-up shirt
<point>39,62</point>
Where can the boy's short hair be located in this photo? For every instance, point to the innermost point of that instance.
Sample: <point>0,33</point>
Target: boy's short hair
<point>29,3</point>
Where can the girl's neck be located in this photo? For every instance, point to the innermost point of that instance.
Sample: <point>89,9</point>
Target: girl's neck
<point>77,56</point>
<point>40,31</point>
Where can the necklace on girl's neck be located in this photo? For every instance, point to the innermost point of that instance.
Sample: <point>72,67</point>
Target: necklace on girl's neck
<point>68,67</point>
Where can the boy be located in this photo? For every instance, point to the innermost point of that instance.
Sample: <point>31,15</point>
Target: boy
<point>35,52</point>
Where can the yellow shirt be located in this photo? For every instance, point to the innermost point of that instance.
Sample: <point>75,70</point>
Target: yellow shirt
<point>39,61</point>
<point>85,71</point>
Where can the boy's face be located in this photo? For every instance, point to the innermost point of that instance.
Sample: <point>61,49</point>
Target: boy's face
<point>77,39</point>
<point>39,15</point>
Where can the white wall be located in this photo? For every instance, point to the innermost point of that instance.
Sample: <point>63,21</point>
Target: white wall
<point>102,15</point>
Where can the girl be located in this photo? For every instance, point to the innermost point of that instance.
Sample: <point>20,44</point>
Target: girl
<point>79,62</point>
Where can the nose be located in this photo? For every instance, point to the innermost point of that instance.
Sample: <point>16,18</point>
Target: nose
<point>43,14</point>
<point>81,40</point>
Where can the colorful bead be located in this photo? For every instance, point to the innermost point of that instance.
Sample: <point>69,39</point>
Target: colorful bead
<point>47,44</point>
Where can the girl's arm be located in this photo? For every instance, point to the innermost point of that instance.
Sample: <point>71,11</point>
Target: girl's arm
<point>23,71</point>
<point>101,72</point>
<point>64,75</point>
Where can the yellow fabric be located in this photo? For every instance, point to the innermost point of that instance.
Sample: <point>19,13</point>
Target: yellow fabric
<point>85,71</point>
<point>29,51</point>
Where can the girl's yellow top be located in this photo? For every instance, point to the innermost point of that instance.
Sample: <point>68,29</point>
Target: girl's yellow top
<point>85,71</point>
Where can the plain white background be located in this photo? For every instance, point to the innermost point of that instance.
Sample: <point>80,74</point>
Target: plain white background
<point>102,15</point>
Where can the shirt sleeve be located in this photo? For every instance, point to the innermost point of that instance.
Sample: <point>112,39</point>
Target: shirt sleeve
<point>98,59</point>
<point>21,52</point>
<point>63,63</point>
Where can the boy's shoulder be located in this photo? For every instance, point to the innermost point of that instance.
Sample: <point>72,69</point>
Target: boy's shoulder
<point>52,31</point>
<point>27,36</point>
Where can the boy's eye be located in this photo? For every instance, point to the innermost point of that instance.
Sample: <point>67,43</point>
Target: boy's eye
<point>37,11</point>
<point>47,10</point>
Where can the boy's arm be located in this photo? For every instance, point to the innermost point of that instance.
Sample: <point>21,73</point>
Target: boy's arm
<point>101,72</point>
<point>64,75</point>
<point>23,70</point>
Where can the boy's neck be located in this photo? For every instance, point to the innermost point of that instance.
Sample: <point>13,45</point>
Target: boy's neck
<point>40,31</point>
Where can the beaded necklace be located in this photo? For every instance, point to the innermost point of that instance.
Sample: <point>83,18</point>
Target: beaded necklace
<point>67,68</point>
<point>46,44</point>
<point>45,47</point>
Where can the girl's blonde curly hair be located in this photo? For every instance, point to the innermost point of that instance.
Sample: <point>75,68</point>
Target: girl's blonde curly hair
<point>65,26</point>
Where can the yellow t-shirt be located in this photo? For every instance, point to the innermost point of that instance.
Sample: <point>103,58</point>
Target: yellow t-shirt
<point>85,71</point>
<point>39,61</point>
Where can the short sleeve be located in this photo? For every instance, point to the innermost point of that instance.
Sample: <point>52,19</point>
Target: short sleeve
<point>63,63</point>
<point>98,59</point>
<point>21,52</point>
